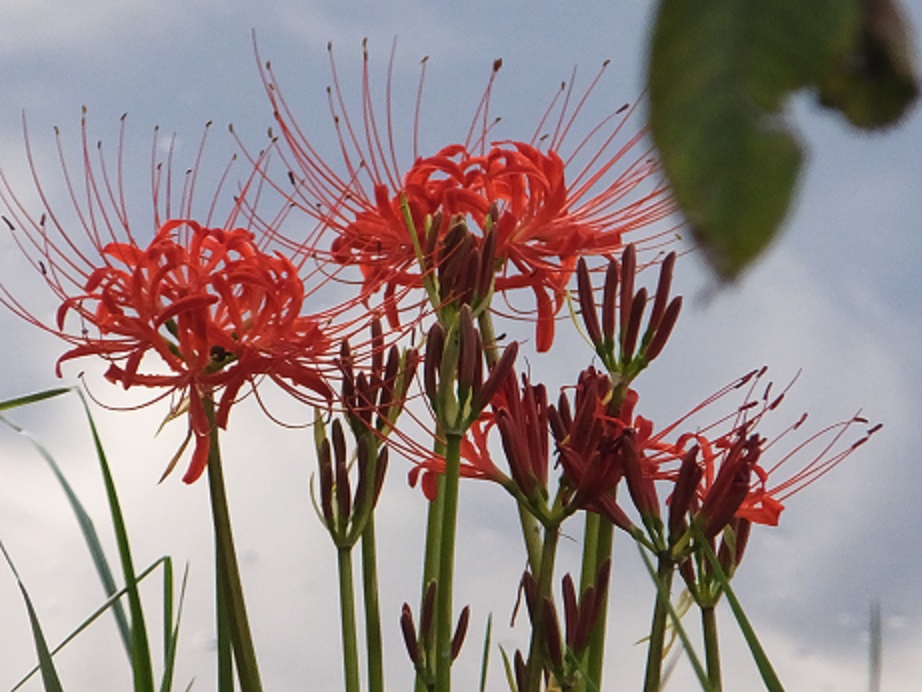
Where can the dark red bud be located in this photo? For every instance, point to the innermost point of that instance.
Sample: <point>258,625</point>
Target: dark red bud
<point>628,272</point>
<point>325,462</point>
<point>662,291</point>
<point>629,342</point>
<point>435,344</point>
<point>610,301</point>
<point>497,376</point>
<point>409,634</point>
<point>664,329</point>
<point>460,631</point>
<point>587,303</point>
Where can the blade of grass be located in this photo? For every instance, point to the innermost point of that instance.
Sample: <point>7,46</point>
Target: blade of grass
<point>95,615</point>
<point>171,627</point>
<point>485,662</point>
<point>45,664</point>
<point>140,646</point>
<point>32,398</point>
<point>90,536</point>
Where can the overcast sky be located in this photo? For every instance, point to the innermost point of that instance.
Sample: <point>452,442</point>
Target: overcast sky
<point>839,296</point>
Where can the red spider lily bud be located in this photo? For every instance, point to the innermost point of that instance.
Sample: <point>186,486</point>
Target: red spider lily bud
<point>427,612</point>
<point>435,345</point>
<point>632,330</point>
<point>587,303</point>
<point>731,485</point>
<point>684,494</point>
<point>523,426</point>
<point>662,292</point>
<point>521,671</point>
<point>663,329</point>
<point>640,485</point>
<point>552,636</point>
<point>560,419</point>
<point>497,376</point>
<point>432,238</point>
<point>570,607</point>
<point>587,615</point>
<point>409,635</point>
<point>363,403</point>
<point>380,470</point>
<point>363,458</point>
<point>610,301</point>
<point>343,491</point>
<point>529,586</point>
<point>457,641</point>
<point>325,462</point>
<point>628,272</point>
<point>470,356</point>
<point>484,285</point>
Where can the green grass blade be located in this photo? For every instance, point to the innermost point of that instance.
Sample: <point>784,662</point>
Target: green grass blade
<point>171,627</point>
<point>95,615</point>
<point>32,398</point>
<point>140,647</point>
<point>45,664</point>
<point>90,537</point>
<point>485,661</point>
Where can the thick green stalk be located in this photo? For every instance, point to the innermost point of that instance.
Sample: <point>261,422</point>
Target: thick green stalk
<point>536,662</point>
<point>372,609</point>
<point>232,604</point>
<point>711,646</point>
<point>444,615</point>
<point>596,649</point>
<point>431,559</point>
<point>664,572</point>
<point>347,616</point>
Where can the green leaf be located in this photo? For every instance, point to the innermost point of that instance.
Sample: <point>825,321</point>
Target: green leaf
<point>719,73</point>
<point>875,85</point>
<point>46,665</point>
<point>87,528</point>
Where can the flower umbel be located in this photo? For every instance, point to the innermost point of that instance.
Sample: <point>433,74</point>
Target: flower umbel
<point>548,202</point>
<point>199,311</point>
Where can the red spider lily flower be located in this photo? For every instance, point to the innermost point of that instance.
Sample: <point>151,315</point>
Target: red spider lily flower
<point>199,311</point>
<point>549,200</point>
<point>738,477</point>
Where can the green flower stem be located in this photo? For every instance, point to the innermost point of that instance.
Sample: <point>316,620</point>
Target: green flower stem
<point>536,662</point>
<point>664,573</point>
<point>431,560</point>
<point>596,649</point>
<point>711,646</point>
<point>347,614</point>
<point>372,609</point>
<point>444,618</point>
<point>230,601</point>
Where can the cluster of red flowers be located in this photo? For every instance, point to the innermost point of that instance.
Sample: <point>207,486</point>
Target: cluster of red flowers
<point>220,309</point>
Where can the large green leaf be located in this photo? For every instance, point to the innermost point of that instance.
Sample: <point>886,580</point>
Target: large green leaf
<point>718,76</point>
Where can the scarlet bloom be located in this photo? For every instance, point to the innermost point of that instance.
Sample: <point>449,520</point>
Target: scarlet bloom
<point>548,201</point>
<point>199,311</point>
<point>743,474</point>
